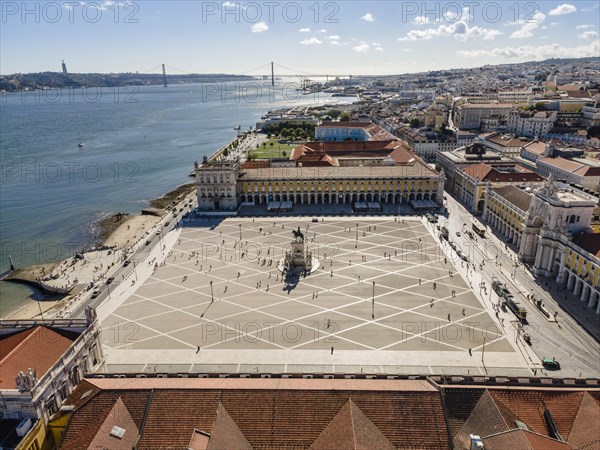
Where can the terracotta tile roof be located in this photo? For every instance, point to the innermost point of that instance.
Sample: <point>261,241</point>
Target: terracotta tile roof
<point>536,147</point>
<point>485,419</point>
<point>118,417</point>
<point>315,151</point>
<point>518,197</point>
<point>571,166</point>
<point>522,440</point>
<point>226,434</point>
<point>493,173</point>
<point>95,408</point>
<point>512,142</point>
<point>588,242</point>
<point>9,342</point>
<point>351,429</point>
<point>528,407</point>
<point>459,404</point>
<point>38,348</point>
<point>270,418</point>
<point>584,433</point>
<point>174,414</point>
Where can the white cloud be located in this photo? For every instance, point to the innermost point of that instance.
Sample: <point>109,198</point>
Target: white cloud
<point>590,9</point>
<point>368,17</point>
<point>362,48</point>
<point>334,37</point>
<point>259,27</point>
<point>378,49</point>
<point>322,30</point>
<point>528,26</point>
<point>376,44</point>
<point>565,8</point>
<point>421,20</point>
<point>588,35</point>
<point>335,43</point>
<point>304,30</point>
<point>535,53</point>
<point>584,27</point>
<point>311,41</point>
<point>459,30</point>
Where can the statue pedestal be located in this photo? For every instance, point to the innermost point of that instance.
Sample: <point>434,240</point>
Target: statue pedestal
<point>298,269</point>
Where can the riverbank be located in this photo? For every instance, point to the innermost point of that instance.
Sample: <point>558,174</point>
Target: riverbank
<point>60,283</point>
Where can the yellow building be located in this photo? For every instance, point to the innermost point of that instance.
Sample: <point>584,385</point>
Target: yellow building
<point>551,227</point>
<point>328,173</point>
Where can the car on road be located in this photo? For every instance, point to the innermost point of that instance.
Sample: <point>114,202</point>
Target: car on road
<point>551,364</point>
<point>110,280</point>
<point>96,293</point>
<point>464,257</point>
<point>148,242</point>
<point>126,263</point>
<point>458,233</point>
<point>167,224</point>
<point>158,232</point>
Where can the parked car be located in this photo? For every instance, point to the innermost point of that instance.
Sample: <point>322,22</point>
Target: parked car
<point>551,364</point>
<point>126,263</point>
<point>110,280</point>
<point>96,293</point>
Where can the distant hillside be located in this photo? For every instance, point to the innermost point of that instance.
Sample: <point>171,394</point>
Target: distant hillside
<point>57,80</point>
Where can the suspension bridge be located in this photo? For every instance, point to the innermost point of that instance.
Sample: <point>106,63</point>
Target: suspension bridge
<point>270,70</point>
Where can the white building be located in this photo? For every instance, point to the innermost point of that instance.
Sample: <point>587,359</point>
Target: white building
<point>216,185</point>
<point>469,116</point>
<point>530,123</point>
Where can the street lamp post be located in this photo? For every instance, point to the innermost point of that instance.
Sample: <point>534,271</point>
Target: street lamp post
<point>483,352</point>
<point>373,303</point>
<point>356,242</point>
<point>240,225</point>
<point>212,298</point>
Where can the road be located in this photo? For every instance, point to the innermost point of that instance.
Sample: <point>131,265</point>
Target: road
<point>576,350</point>
<point>127,274</point>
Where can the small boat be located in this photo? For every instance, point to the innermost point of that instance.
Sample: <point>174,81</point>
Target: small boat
<point>237,128</point>
<point>80,145</point>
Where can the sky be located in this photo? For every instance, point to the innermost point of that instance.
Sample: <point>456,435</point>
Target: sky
<point>335,38</point>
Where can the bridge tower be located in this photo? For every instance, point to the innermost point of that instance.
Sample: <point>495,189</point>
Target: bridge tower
<point>164,76</point>
<point>272,74</point>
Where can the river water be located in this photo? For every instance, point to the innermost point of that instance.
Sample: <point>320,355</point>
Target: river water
<point>138,144</point>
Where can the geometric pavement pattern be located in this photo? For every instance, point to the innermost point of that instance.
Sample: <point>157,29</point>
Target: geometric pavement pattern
<point>382,267</point>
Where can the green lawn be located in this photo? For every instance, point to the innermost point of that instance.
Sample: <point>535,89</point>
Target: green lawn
<point>272,151</point>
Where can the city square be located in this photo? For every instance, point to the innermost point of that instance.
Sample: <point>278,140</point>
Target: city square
<point>384,298</point>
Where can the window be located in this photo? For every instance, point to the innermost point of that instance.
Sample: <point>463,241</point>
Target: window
<point>50,405</point>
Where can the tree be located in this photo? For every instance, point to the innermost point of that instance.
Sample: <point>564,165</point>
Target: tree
<point>414,123</point>
<point>345,117</point>
<point>226,152</point>
<point>284,153</point>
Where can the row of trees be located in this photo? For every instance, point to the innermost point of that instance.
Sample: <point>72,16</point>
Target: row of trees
<point>291,130</point>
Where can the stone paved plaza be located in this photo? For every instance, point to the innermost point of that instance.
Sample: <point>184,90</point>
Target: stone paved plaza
<point>253,321</point>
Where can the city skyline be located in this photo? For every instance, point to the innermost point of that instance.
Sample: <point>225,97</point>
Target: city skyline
<point>379,38</point>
